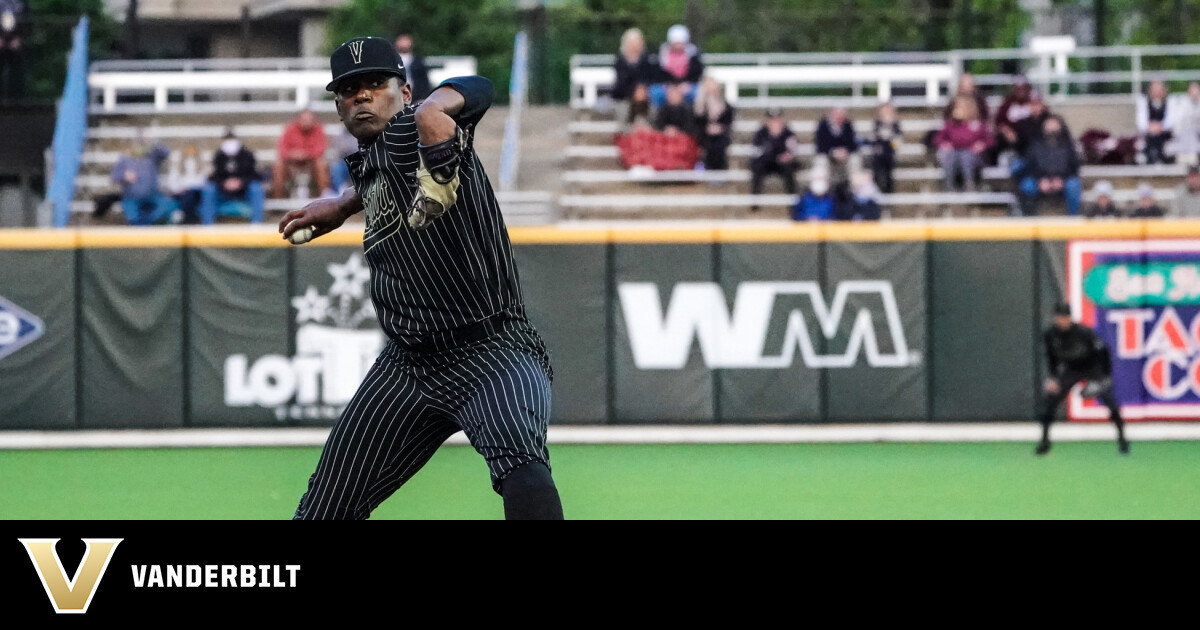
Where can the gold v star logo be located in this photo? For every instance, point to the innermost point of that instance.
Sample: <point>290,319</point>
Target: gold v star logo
<point>70,596</point>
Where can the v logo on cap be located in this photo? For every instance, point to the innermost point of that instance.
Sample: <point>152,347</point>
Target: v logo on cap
<point>356,50</point>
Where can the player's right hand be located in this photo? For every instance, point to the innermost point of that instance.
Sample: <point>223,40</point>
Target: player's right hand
<point>1052,386</point>
<point>322,215</point>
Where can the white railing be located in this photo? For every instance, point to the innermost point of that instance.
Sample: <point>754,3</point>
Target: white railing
<point>270,84</point>
<point>1056,69</point>
<point>587,81</point>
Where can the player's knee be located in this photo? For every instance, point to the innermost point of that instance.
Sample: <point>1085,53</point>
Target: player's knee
<point>530,494</point>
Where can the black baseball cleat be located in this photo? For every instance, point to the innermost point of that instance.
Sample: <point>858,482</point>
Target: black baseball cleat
<point>1043,449</point>
<point>1123,447</point>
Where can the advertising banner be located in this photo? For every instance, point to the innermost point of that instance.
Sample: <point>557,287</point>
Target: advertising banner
<point>1143,297</point>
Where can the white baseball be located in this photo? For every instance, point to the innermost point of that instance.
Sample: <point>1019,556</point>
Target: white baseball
<point>302,236</point>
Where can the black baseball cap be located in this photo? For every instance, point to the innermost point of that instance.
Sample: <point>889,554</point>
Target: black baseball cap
<point>1062,308</point>
<point>362,55</point>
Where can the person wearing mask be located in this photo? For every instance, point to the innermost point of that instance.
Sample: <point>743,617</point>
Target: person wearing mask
<point>1155,122</point>
<point>775,148</point>
<point>1147,207</point>
<point>416,71</point>
<point>301,152</point>
<point>1104,206</point>
<point>961,145</point>
<point>715,118</point>
<point>818,203</point>
<point>234,178</point>
<point>635,71</point>
<point>885,143</point>
<point>862,203</point>
<point>678,62</point>
<point>1187,197</point>
<point>185,183</point>
<point>1052,168</point>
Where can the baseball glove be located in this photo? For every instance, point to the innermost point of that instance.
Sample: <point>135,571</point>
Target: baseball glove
<point>437,180</point>
<point>1097,388</point>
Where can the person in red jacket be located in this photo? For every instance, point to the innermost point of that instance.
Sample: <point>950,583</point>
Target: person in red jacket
<point>962,143</point>
<point>302,149</point>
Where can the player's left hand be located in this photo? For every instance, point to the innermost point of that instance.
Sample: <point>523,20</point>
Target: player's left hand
<point>437,179</point>
<point>1097,388</point>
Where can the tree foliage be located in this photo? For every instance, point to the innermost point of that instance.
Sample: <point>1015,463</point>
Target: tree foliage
<point>50,41</point>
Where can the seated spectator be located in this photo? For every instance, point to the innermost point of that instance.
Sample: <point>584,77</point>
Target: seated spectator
<point>1187,196</point>
<point>775,148</point>
<point>635,72</point>
<point>818,203</point>
<point>966,87</point>
<point>678,61</point>
<point>1028,130</point>
<point>1016,108</point>
<point>1155,121</point>
<point>234,179</point>
<point>185,183</point>
<point>1147,207</point>
<point>1187,127</point>
<point>1052,168</point>
<point>676,116</point>
<point>715,119</point>
<point>862,203</point>
<point>1104,206</point>
<point>885,143</point>
<point>961,145</point>
<point>342,147</point>
<point>301,154</point>
<point>137,175</point>
<point>837,146</point>
<point>645,148</point>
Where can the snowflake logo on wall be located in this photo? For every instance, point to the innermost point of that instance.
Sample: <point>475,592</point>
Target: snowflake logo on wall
<point>348,303</point>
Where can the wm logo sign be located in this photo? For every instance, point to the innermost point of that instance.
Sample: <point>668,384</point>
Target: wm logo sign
<point>743,339</point>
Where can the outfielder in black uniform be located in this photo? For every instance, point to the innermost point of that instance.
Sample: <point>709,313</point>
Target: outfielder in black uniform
<point>461,355</point>
<point>1077,354</point>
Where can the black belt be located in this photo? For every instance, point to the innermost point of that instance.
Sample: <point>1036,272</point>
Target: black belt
<point>458,337</point>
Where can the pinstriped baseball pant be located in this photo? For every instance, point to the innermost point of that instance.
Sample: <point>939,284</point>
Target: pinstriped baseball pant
<point>497,391</point>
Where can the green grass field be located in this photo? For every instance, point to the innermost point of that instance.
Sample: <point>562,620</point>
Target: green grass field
<point>927,481</point>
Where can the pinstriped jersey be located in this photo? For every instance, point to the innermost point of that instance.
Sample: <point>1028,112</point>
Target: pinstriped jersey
<point>454,273</point>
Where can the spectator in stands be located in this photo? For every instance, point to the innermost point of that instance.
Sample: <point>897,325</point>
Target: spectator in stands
<point>966,87</point>
<point>678,61</point>
<point>818,203</point>
<point>1028,130</point>
<point>676,116</point>
<point>137,175</point>
<point>1015,109</point>
<point>343,146</point>
<point>862,203</point>
<point>1104,206</point>
<point>13,23</point>
<point>1052,168</point>
<point>185,182</point>
<point>234,178</point>
<point>415,69</point>
<point>775,148</point>
<point>1147,207</point>
<point>961,145</point>
<point>884,145</point>
<point>635,72</point>
<point>1187,196</point>
<point>715,118</point>
<point>301,152</point>
<point>837,146</point>
<point>1155,121</point>
<point>1187,128</point>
